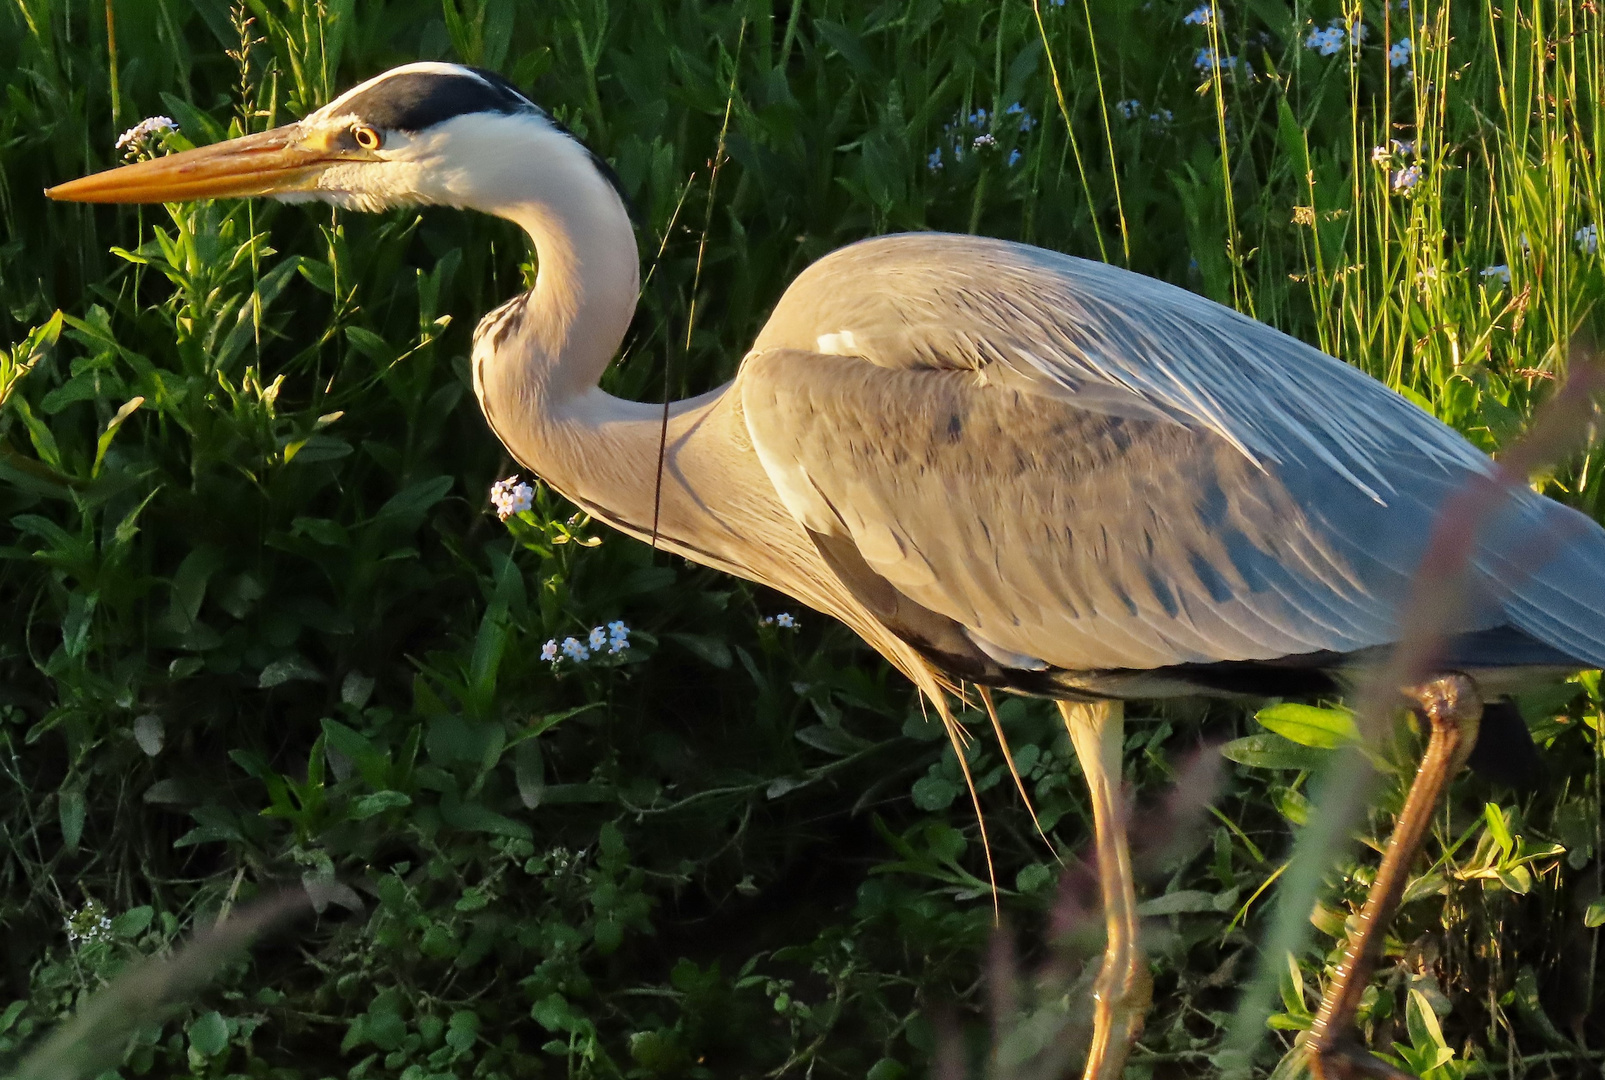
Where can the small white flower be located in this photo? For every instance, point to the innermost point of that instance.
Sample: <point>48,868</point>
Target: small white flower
<point>511,496</point>
<point>1207,59</point>
<point>1399,54</point>
<point>549,651</point>
<point>1382,155</point>
<point>1407,178</point>
<point>786,621</point>
<point>574,650</point>
<point>1326,42</point>
<point>143,130</point>
<point>1501,272</point>
<point>598,637</point>
<point>1587,238</point>
<point>983,142</point>
<point>1199,16</point>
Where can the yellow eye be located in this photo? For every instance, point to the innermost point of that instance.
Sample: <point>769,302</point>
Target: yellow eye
<point>367,137</point>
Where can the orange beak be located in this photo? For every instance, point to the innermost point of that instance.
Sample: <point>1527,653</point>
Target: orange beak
<point>284,159</point>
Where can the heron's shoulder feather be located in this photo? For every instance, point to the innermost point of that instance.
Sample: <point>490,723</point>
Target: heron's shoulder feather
<point>1058,537</point>
<point>1116,342</point>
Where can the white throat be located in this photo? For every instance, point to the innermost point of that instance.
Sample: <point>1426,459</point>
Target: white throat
<point>545,351</point>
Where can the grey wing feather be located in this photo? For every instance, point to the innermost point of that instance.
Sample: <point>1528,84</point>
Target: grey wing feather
<point>1095,470</point>
<point>1113,339</point>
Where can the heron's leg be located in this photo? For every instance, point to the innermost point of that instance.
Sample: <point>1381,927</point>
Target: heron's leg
<point>1124,989</point>
<point>1451,706</point>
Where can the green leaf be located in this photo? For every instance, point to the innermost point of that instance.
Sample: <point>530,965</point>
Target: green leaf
<point>1595,913</point>
<point>1498,827</point>
<point>476,817</point>
<point>70,811</point>
<point>133,922</point>
<point>832,740</point>
<point>1033,877</point>
<point>1322,729</point>
<point>287,669</point>
<point>406,508</point>
<point>934,792</point>
<point>367,806</point>
<point>208,1035</point>
<point>1291,986</point>
<point>1272,751</point>
<point>886,1069</point>
<point>462,1031</point>
<point>1422,1023</point>
<point>1181,902</point>
<point>111,431</point>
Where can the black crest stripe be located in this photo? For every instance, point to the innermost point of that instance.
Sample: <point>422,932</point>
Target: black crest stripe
<point>414,101</point>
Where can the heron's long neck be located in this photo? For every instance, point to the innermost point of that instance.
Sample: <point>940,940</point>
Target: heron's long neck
<point>537,360</point>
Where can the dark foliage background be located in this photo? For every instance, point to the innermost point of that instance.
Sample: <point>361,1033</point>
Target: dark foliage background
<point>262,628</point>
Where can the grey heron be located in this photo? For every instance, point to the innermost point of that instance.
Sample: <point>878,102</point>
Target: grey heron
<point>997,464</point>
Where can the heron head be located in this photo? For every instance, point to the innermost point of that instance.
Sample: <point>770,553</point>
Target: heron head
<point>425,133</point>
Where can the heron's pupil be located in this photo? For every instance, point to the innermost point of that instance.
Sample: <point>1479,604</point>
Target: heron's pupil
<point>366,137</point>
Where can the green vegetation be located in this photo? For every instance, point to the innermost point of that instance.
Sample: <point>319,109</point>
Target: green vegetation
<point>263,628</point>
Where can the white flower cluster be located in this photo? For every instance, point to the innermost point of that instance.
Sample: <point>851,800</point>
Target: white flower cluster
<point>153,125</point>
<point>980,121</point>
<point>1384,155</point>
<point>89,926</point>
<point>1330,41</point>
<point>785,621</point>
<point>615,637</point>
<point>1207,59</point>
<point>511,496</point>
<point>1131,109</point>
<point>1406,178</point>
<point>1587,239</point>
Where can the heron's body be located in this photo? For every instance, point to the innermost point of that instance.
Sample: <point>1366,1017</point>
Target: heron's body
<point>996,463</point>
